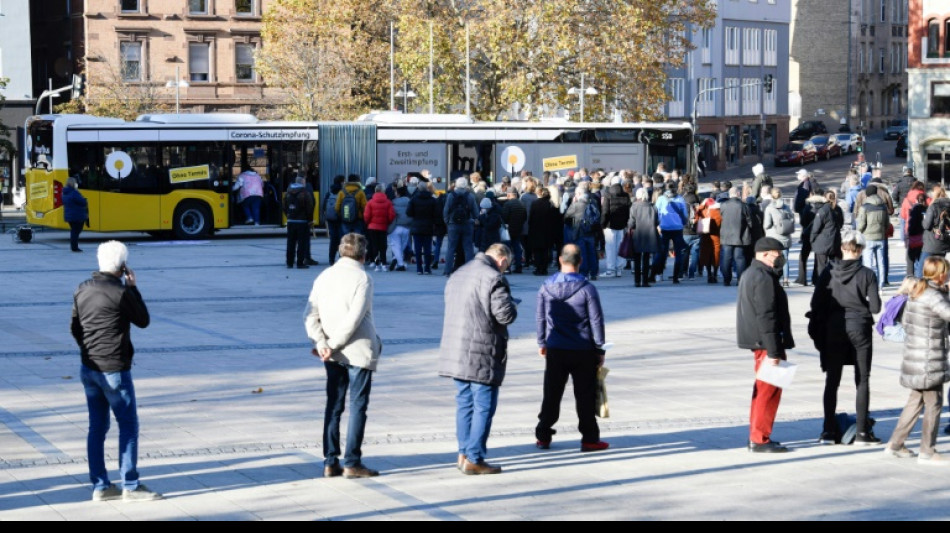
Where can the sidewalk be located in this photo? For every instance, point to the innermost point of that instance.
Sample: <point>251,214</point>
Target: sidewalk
<point>231,405</point>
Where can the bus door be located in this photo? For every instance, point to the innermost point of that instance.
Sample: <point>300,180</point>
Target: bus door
<point>131,187</point>
<point>468,157</point>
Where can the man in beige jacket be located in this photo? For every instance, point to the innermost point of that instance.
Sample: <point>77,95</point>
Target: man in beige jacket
<point>340,324</point>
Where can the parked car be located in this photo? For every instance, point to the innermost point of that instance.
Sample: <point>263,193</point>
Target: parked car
<point>900,150</point>
<point>808,129</point>
<point>894,129</point>
<point>827,146</point>
<point>796,153</point>
<point>850,142</point>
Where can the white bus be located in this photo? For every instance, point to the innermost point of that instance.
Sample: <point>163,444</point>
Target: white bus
<point>173,174</point>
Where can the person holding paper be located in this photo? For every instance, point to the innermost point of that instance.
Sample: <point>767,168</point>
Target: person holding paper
<point>764,326</point>
<point>842,313</point>
<point>571,339</point>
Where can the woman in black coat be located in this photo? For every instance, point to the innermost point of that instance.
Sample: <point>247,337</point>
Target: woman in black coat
<point>644,221</point>
<point>842,313</point>
<point>543,230</point>
<point>933,245</point>
<point>826,231</point>
<point>424,210</point>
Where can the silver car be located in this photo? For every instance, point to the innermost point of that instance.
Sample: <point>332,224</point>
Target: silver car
<point>850,142</point>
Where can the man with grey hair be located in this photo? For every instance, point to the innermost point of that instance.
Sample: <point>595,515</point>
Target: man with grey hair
<point>459,213</point>
<point>104,308</point>
<point>340,324</point>
<point>735,234</point>
<point>298,207</point>
<point>474,350</point>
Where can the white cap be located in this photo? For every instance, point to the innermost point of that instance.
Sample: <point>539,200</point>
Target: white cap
<point>461,183</point>
<point>802,174</point>
<point>758,169</point>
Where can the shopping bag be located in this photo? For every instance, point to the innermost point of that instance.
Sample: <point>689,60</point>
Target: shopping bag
<point>602,408</point>
<point>505,236</point>
<point>627,250</point>
<point>780,375</point>
<point>704,226</point>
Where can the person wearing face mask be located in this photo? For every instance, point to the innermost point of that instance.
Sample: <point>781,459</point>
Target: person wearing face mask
<point>779,223</point>
<point>842,313</point>
<point>764,326</point>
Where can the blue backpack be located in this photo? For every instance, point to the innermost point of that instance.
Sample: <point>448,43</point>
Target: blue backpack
<point>590,219</point>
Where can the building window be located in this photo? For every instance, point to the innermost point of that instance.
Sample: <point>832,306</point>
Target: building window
<point>129,6</point>
<point>244,8</point>
<point>750,96</point>
<point>771,103</point>
<point>707,46</point>
<point>131,59</point>
<point>199,62</point>
<point>198,7</point>
<point>731,96</point>
<point>883,10</point>
<point>940,100</point>
<point>933,38</point>
<point>881,67</point>
<point>946,39</point>
<point>732,46</point>
<point>751,47</point>
<point>707,101</point>
<point>861,60</point>
<point>771,48</point>
<point>244,63</point>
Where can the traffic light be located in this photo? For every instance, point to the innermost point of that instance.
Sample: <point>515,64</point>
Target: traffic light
<point>76,91</point>
<point>767,83</point>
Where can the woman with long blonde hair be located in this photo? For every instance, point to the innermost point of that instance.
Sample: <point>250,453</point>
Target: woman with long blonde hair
<point>924,369</point>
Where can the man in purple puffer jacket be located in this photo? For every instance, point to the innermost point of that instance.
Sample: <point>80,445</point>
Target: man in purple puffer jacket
<point>570,338</point>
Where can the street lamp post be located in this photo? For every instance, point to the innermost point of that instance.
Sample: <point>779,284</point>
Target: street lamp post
<point>405,94</point>
<point>589,91</point>
<point>177,84</point>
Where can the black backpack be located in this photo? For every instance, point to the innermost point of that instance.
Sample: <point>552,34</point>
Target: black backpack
<point>297,206</point>
<point>459,213</point>
<point>349,208</point>
<point>915,220</point>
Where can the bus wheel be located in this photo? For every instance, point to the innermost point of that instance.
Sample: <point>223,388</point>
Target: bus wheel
<point>192,221</point>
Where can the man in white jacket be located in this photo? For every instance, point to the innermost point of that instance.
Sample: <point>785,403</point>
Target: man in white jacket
<point>340,324</point>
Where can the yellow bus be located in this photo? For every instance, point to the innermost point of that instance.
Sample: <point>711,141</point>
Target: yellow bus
<point>174,174</point>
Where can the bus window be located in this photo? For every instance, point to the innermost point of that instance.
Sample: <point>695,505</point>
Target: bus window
<point>86,164</point>
<point>142,177</point>
<point>199,166</point>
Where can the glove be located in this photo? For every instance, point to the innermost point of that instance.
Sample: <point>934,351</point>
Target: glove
<point>87,222</point>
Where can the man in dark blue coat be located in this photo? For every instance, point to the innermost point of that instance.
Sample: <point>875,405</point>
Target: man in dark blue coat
<point>570,338</point>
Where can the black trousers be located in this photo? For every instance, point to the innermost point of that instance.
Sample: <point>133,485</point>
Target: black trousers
<point>75,228</point>
<point>581,367</point>
<point>802,278</point>
<point>298,235</point>
<point>641,267</point>
<point>542,257</point>
<point>860,340</point>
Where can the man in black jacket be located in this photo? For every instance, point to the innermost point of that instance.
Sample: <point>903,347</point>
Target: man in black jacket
<point>103,310</point>
<point>763,325</point>
<point>735,235</point>
<point>515,214</point>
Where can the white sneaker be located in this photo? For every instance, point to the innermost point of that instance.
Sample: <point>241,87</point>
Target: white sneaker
<point>902,453</point>
<point>376,268</point>
<point>934,459</point>
<point>141,494</point>
<point>107,494</point>
<point>610,274</point>
<point>620,273</point>
<point>383,268</point>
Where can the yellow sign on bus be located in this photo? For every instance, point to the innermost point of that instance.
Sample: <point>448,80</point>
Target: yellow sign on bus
<point>186,174</point>
<point>39,190</point>
<point>560,163</point>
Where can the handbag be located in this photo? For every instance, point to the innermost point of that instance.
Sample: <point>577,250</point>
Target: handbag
<point>602,408</point>
<point>505,236</point>
<point>890,230</point>
<point>627,249</point>
<point>704,226</point>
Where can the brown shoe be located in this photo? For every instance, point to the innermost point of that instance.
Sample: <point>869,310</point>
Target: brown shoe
<point>358,472</point>
<point>480,468</point>
<point>332,471</point>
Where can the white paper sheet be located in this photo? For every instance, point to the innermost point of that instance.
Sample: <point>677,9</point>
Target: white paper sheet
<point>780,375</point>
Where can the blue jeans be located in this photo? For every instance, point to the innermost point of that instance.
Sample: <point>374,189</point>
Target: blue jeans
<point>887,260</point>
<point>590,265</point>
<point>727,255</point>
<point>518,251</point>
<point>692,258</point>
<point>463,233</point>
<point>679,249</point>
<point>356,227</point>
<point>475,408</point>
<point>359,381</point>
<point>874,253</point>
<point>335,229</point>
<point>437,250</point>
<point>422,246</point>
<point>113,391</point>
<point>252,208</point>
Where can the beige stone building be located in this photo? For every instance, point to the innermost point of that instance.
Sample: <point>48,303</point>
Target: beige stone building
<point>209,44</point>
<point>848,63</point>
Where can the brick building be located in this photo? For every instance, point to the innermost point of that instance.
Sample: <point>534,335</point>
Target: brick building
<point>928,138</point>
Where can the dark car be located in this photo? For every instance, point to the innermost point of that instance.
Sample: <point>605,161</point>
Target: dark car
<point>808,129</point>
<point>796,153</point>
<point>900,149</point>
<point>827,146</point>
<point>894,129</point>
